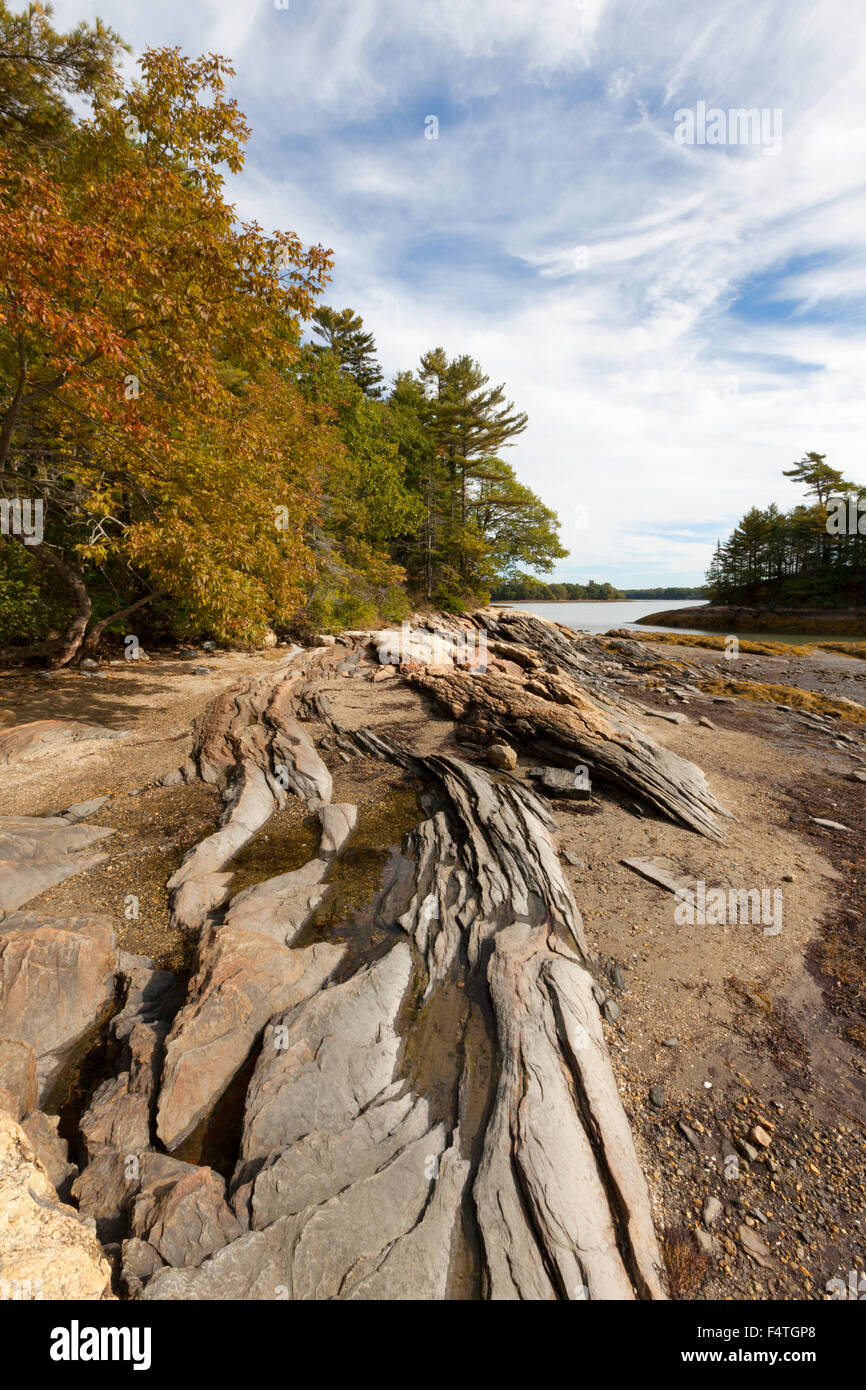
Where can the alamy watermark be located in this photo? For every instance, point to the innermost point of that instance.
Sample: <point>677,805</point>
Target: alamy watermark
<point>712,125</point>
<point>854,1289</point>
<point>436,648</point>
<point>24,517</point>
<point>845,518</point>
<point>717,907</point>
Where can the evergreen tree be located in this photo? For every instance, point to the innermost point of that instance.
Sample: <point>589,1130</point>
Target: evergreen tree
<point>342,333</point>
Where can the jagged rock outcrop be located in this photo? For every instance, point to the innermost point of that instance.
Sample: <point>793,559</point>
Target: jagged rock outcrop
<point>243,979</point>
<point>120,1115</point>
<point>19,1086</point>
<point>57,985</point>
<point>47,1250</point>
<point>552,715</point>
<point>351,1157</point>
<point>444,1122</point>
<point>51,1150</point>
<point>327,1061</point>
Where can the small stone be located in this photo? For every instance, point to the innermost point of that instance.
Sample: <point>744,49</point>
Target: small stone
<point>670,1042</point>
<point>759,1135</point>
<point>201,670</point>
<point>747,1150</point>
<point>657,1096</point>
<point>756,1247</point>
<point>558,782</point>
<point>706,1243</point>
<point>573,859</point>
<point>712,1211</point>
<point>88,664</point>
<point>828,824</point>
<point>689,1134</point>
<point>706,723</point>
<point>82,809</point>
<point>499,755</point>
<point>612,1010</point>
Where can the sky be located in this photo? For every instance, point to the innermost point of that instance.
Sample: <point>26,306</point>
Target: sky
<point>675,296</point>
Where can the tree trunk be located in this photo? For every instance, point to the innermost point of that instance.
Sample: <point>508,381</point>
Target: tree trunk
<point>91,641</point>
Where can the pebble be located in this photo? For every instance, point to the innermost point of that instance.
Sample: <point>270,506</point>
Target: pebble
<point>657,1096</point>
<point>501,756</point>
<point>712,1211</point>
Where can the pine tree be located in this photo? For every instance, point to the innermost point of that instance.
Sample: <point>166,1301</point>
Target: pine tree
<point>342,333</point>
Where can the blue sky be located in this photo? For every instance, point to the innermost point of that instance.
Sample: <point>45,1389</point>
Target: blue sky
<point>681,322</point>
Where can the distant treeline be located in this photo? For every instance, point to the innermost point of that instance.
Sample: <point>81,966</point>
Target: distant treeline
<point>525,586</point>
<point>686,592</point>
<point>813,555</point>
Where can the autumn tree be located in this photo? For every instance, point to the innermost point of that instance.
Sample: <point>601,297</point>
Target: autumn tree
<point>140,330</point>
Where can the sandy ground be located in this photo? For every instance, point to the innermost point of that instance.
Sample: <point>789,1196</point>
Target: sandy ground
<point>731,1022</point>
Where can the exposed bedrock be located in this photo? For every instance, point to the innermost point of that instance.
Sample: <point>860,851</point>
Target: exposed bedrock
<point>444,1122</point>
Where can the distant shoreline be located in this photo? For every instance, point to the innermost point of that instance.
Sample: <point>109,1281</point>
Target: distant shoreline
<point>507,603</point>
<point>838,622</point>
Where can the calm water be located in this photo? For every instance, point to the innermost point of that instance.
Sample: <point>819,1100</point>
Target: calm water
<point>601,617</point>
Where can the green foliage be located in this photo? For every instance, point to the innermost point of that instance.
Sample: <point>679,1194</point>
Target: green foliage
<point>30,604</point>
<point>40,68</point>
<point>345,338</point>
<point>675,591</point>
<point>792,558</point>
<point>526,586</point>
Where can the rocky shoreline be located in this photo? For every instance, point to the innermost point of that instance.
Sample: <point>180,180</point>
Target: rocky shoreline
<point>733,618</point>
<point>423,1053</point>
